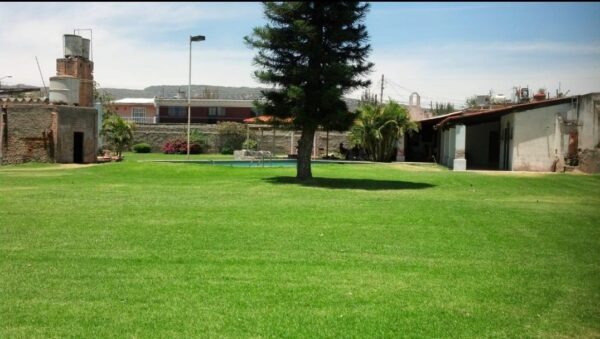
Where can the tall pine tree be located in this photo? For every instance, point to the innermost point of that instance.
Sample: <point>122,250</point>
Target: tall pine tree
<point>311,53</point>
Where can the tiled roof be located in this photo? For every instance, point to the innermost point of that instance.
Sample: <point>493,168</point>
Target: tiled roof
<point>469,115</point>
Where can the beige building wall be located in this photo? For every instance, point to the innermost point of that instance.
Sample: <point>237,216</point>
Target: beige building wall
<point>538,138</point>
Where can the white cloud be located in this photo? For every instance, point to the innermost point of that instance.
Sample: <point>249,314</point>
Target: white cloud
<point>453,72</point>
<point>128,54</point>
<point>124,50</point>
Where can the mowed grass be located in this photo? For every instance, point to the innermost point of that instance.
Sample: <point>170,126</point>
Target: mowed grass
<point>186,250</point>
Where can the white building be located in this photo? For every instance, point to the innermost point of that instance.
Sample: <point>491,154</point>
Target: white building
<point>536,136</point>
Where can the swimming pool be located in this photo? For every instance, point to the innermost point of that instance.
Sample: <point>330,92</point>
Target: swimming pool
<point>258,163</point>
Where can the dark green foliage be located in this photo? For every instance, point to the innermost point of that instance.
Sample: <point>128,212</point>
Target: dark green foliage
<point>250,144</point>
<point>313,53</point>
<point>230,136</point>
<point>142,148</point>
<point>442,108</point>
<point>199,138</point>
<point>378,128</point>
<point>117,132</point>
<point>227,150</point>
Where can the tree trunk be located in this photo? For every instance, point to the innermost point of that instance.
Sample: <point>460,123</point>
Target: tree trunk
<point>305,144</point>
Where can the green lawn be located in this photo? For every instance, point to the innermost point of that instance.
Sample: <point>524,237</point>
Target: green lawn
<point>186,250</point>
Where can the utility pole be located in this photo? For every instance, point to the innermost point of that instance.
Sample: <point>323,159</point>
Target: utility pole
<point>381,93</point>
<point>559,92</point>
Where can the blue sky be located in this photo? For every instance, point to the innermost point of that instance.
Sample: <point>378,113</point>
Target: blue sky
<point>444,51</point>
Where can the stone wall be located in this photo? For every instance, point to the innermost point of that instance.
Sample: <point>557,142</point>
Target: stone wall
<point>44,133</point>
<point>157,134</point>
<point>28,135</point>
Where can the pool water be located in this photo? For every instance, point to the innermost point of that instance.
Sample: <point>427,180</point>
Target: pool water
<point>266,163</point>
<point>255,163</point>
<point>248,163</point>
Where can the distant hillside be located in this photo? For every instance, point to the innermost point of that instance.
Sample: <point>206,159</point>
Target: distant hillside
<point>198,91</point>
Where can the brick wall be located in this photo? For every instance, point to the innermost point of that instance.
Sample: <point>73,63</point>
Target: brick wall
<point>82,69</point>
<point>77,67</point>
<point>29,135</point>
<point>44,133</point>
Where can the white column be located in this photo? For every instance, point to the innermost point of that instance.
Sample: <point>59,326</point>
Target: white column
<point>1,134</point>
<point>451,144</point>
<point>292,143</point>
<point>446,148</point>
<point>442,146</point>
<point>460,137</point>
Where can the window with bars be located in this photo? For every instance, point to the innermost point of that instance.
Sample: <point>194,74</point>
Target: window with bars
<point>138,114</point>
<point>177,112</point>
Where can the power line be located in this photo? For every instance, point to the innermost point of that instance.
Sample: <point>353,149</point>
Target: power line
<point>453,100</point>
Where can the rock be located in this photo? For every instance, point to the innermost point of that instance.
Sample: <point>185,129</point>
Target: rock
<point>589,161</point>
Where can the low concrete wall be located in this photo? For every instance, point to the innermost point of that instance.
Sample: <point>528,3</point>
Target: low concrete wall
<point>157,134</point>
<point>536,144</point>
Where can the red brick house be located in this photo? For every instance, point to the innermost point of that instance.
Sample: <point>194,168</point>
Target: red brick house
<point>161,110</point>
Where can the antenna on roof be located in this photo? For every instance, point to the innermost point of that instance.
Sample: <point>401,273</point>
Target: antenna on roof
<point>43,82</point>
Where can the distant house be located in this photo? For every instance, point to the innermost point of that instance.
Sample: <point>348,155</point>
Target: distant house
<point>138,110</point>
<point>536,136</point>
<point>162,110</point>
<point>208,111</point>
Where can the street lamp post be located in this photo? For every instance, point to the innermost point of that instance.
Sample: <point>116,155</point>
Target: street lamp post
<point>192,38</point>
<point>8,76</point>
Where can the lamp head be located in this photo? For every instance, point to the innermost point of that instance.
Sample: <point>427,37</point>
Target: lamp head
<point>197,38</point>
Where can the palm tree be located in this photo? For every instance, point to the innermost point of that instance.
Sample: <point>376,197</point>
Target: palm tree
<point>118,133</point>
<point>378,128</point>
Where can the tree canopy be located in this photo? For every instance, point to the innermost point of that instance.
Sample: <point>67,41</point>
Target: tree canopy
<point>311,53</point>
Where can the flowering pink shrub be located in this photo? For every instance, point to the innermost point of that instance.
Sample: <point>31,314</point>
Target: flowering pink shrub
<point>179,146</point>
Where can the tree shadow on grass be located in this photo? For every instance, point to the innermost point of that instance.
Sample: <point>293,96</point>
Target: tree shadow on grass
<point>346,183</point>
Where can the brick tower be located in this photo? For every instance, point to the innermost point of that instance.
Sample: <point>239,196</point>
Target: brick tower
<point>77,64</point>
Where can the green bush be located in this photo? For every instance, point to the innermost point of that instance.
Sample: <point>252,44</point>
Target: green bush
<point>230,136</point>
<point>226,150</point>
<point>197,137</point>
<point>142,148</point>
<point>250,144</point>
